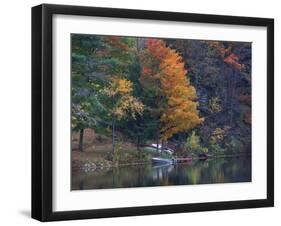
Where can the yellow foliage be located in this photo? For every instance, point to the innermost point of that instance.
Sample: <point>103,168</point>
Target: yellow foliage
<point>118,86</point>
<point>128,105</point>
<point>214,105</point>
<point>125,104</point>
<point>219,133</point>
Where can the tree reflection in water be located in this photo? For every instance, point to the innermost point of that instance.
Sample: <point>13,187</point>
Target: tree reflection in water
<point>220,170</point>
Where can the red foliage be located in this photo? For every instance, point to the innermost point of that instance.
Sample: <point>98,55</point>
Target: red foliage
<point>146,70</point>
<point>157,48</point>
<point>116,41</point>
<point>248,117</point>
<point>232,60</point>
<point>228,57</point>
<point>245,98</point>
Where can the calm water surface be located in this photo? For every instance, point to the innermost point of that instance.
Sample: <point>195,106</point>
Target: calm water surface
<point>220,170</point>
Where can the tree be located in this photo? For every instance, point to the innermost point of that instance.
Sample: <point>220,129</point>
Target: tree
<point>143,127</point>
<point>173,81</point>
<point>86,65</point>
<point>120,103</point>
<point>95,59</point>
<point>221,73</point>
<point>181,111</point>
<point>150,58</point>
<point>163,72</point>
<point>193,144</point>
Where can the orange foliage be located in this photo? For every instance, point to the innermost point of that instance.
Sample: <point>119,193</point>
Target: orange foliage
<point>181,112</point>
<point>167,71</point>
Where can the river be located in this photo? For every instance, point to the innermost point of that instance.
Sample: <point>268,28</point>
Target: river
<point>219,170</point>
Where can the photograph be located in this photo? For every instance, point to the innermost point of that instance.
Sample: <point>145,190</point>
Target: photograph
<point>152,111</point>
<point>142,112</point>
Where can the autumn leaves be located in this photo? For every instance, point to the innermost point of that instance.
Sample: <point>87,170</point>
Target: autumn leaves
<point>116,80</point>
<point>164,75</point>
<point>120,90</point>
<point>163,70</point>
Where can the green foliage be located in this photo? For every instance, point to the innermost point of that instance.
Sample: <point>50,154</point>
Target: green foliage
<point>216,140</point>
<point>84,82</point>
<point>215,147</point>
<point>234,145</point>
<point>148,91</point>
<point>192,144</point>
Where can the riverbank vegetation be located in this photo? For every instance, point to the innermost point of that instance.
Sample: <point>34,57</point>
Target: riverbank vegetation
<point>135,98</point>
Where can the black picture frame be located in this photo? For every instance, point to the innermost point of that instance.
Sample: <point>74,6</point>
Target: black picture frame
<point>42,107</point>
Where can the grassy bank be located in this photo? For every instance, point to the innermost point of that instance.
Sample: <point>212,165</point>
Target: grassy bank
<point>97,152</point>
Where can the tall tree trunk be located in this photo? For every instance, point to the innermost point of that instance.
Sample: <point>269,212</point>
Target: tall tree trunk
<point>162,146</point>
<point>138,142</point>
<point>81,137</point>
<point>157,146</point>
<point>81,185</point>
<point>232,95</point>
<point>113,134</point>
<point>182,139</point>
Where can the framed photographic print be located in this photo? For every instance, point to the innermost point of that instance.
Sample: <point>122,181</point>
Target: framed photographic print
<point>147,112</point>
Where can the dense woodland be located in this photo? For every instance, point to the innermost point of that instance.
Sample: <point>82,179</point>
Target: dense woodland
<point>192,96</point>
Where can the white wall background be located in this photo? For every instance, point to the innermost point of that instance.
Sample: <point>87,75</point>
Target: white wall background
<point>15,113</point>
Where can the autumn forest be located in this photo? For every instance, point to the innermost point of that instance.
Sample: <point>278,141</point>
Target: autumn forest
<point>159,111</point>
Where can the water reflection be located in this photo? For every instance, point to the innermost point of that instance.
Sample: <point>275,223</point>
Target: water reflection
<point>221,170</point>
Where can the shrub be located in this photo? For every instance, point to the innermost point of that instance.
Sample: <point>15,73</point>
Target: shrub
<point>215,105</point>
<point>234,145</point>
<point>193,146</point>
<point>215,147</point>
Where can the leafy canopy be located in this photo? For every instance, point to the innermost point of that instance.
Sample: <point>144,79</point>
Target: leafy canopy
<point>163,70</point>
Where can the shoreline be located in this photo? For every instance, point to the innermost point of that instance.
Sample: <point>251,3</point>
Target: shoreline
<point>99,165</point>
